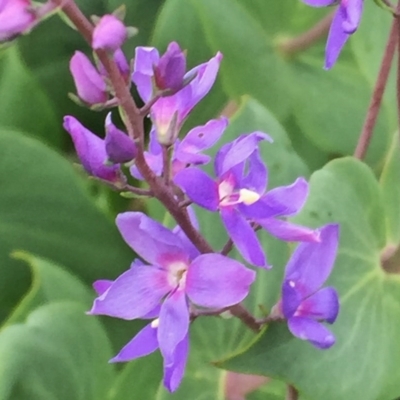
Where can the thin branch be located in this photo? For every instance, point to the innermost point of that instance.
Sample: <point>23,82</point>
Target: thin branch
<point>291,393</point>
<point>376,99</point>
<point>240,312</point>
<point>144,111</point>
<point>308,38</point>
<point>166,156</point>
<point>138,191</point>
<point>227,247</point>
<point>397,34</point>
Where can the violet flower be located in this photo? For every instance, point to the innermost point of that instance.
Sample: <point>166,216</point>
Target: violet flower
<point>170,69</point>
<point>109,33</point>
<point>304,304</point>
<point>345,22</point>
<point>169,113</point>
<point>176,278</point>
<point>120,148</point>
<point>239,194</point>
<point>187,151</point>
<point>16,16</point>
<point>89,83</point>
<point>91,151</point>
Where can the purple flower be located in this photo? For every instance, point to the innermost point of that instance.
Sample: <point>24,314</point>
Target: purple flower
<point>92,152</point>
<point>169,113</point>
<point>345,22</point>
<point>239,194</point>
<point>304,304</point>
<point>120,148</point>
<point>186,152</point>
<point>177,277</point>
<point>170,69</point>
<point>89,83</point>
<point>122,64</point>
<point>16,16</point>
<point>109,34</point>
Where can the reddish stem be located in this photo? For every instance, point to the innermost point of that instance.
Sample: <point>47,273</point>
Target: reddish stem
<point>376,99</point>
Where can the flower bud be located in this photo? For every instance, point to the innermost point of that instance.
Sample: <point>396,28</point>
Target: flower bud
<point>91,152</point>
<point>109,34</point>
<point>171,68</point>
<point>89,84</point>
<point>16,17</point>
<point>120,148</point>
<point>122,64</point>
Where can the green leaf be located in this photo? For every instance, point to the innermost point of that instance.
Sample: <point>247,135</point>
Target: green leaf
<point>390,184</point>
<point>23,103</point>
<point>138,379</point>
<point>58,353</point>
<point>332,119</point>
<point>345,191</point>
<point>45,210</point>
<point>50,283</point>
<point>250,62</point>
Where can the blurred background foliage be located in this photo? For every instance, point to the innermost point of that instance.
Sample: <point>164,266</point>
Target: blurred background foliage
<point>57,233</point>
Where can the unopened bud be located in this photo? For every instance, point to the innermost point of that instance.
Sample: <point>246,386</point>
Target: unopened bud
<point>89,84</point>
<point>120,148</point>
<point>109,34</point>
<point>171,68</point>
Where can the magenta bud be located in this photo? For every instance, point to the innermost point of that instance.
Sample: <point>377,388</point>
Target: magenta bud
<point>91,152</point>
<point>171,68</point>
<point>16,16</point>
<point>122,64</point>
<point>109,34</point>
<point>89,84</point>
<point>120,148</point>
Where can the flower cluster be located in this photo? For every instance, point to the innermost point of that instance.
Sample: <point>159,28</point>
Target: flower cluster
<point>178,275</point>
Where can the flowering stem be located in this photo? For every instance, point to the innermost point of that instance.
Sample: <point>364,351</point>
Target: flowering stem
<point>240,312</point>
<point>134,124</point>
<point>166,155</point>
<point>397,34</point>
<point>138,191</point>
<point>145,110</point>
<point>291,393</point>
<point>376,100</point>
<point>227,247</point>
<point>308,38</point>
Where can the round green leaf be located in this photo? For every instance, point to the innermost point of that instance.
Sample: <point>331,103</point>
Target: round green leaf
<point>363,364</point>
<point>58,353</point>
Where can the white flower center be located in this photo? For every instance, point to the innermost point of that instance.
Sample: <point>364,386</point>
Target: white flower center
<point>177,274</point>
<point>248,197</point>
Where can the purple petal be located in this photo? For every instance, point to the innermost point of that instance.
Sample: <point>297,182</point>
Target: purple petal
<point>16,16</point>
<point>322,305</point>
<point>200,138</point>
<point>308,329</point>
<point>291,299</point>
<point>133,294</point>
<point>109,34</point>
<point>89,84</point>
<point>120,148</point>
<point>102,285</point>
<point>243,236</point>
<point>257,177</point>
<point>171,68</point>
<point>336,40</point>
<point>216,281</point>
<point>173,323</point>
<point>91,151</point>
<point>175,368</point>
<point>311,263</point>
<point>237,152</point>
<point>149,238</point>
<point>351,15</point>
<point>287,200</point>
<point>145,59</point>
<point>199,187</point>
<point>319,3</point>
<point>289,232</point>
<point>143,344</point>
